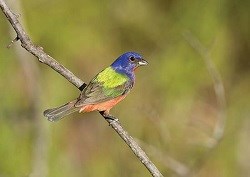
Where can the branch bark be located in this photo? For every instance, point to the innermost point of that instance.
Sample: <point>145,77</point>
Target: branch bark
<point>43,57</point>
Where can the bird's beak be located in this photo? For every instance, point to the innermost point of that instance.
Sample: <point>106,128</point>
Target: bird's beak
<point>142,62</point>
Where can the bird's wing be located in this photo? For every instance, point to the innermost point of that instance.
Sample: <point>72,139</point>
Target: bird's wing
<point>97,92</point>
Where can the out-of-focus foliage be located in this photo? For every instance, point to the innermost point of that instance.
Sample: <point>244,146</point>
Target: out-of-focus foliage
<point>172,106</point>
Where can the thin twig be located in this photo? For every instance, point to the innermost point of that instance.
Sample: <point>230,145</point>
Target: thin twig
<point>12,42</point>
<point>218,131</point>
<point>51,62</point>
<point>176,166</point>
<point>36,50</point>
<point>41,130</point>
<point>218,87</point>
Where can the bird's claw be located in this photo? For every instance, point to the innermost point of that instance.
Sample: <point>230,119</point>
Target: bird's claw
<point>111,119</point>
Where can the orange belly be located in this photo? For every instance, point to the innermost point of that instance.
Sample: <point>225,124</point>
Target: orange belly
<point>104,106</point>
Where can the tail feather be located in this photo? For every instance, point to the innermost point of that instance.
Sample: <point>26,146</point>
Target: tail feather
<point>58,113</point>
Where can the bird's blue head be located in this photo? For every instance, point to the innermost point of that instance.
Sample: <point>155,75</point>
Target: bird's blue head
<point>127,63</point>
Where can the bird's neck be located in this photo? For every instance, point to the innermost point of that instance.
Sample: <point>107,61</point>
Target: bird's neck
<point>126,71</point>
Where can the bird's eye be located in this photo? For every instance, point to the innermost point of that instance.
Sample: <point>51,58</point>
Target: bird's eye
<point>132,58</point>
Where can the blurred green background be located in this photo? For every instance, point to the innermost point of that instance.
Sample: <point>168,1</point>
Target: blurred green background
<point>172,110</point>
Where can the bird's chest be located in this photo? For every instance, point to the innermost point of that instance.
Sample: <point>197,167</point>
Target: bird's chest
<point>103,106</point>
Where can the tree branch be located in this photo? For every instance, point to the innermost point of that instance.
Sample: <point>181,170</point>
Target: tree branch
<point>51,62</point>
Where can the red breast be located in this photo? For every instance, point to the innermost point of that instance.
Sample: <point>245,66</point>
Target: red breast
<point>104,106</point>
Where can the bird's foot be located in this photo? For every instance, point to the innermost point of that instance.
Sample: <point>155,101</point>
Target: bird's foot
<point>108,117</point>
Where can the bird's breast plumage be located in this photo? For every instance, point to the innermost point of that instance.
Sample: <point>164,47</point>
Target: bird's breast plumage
<point>104,106</point>
<point>110,78</point>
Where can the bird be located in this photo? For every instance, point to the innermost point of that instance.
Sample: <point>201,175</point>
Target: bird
<point>105,90</point>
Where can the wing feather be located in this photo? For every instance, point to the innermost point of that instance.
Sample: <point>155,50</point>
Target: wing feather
<point>96,92</point>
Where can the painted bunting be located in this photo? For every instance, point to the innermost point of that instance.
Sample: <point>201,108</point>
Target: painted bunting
<point>105,90</point>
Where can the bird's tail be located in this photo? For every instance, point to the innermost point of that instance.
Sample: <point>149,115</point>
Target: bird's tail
<point>58,113</point>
